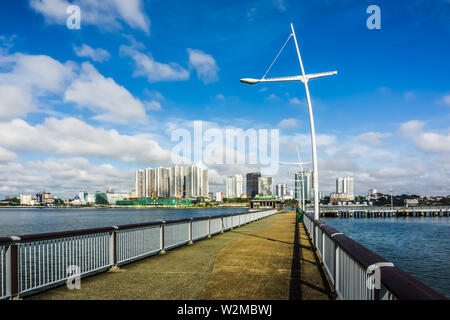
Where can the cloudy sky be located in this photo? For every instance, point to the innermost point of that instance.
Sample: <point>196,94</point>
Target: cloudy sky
<point>82,109</point>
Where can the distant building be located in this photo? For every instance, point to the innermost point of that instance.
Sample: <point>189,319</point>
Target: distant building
<point>252,184</point>
<point>372,195</point>
<point>83,197</point>
<point>219,196</point>
<point>25,200</point>
<point>345,185</point>
<point>234,186</point>
<point>281,190</point>
<point>338,197</point>
<point>191,181</point>
<point>91,199</point>
<point>265,186</point>
<point>411,202</point>
<point>303,185</point>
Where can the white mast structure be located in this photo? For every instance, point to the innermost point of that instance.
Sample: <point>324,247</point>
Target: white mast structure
<point>304,78</point>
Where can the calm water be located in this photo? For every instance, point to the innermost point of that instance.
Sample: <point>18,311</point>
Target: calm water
<point>20,221</point>
<point>420,246</point>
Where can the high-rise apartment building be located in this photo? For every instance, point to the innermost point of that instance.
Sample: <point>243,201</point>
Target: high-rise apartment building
<point>176,181</point>
<point>281,190</point>
<point>265,186</point>
<point>234,186</point>
<point>303,185</point>
<point>345,186</point>
<point>252,184</point>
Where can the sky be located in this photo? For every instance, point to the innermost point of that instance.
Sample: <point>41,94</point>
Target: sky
<point>82,109</point>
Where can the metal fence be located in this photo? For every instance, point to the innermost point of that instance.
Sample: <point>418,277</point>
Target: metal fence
<point>360,274</point>
<point>33,263</point>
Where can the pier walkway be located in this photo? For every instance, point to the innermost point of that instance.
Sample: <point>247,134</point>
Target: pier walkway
<point>270,259</point>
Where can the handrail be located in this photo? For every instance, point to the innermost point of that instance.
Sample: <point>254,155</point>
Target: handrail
<point>37,262</point>
<point>61,234</point>
<point>399,283</point>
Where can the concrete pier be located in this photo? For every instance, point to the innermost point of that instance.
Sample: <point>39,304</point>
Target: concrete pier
<point>270,259</point>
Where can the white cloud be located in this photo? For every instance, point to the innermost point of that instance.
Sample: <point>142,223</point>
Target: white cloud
<point>410,128</point>
<point>98,55</point>
<point>39,73</point>
<point>153,105</point>
<point>6,155</point>
<point>446,99</point>
<point>373,138</point>
<point>204,64</point>
<point>73,137</point>
<point>25,79</point>
<point>104,14</point>
<point>432,142</point>
<point>63,177</point>
<point>14,102</point>
<point>294,100</point>
<point>426,142</point>
<point>288,123</point>
<point>103,96</point>
<point>154,71</point>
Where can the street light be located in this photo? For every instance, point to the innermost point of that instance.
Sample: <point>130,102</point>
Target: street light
<point>304,78</point>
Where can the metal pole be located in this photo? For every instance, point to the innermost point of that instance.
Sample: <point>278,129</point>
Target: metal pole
<point>315,174</point>
<point>303,179</point>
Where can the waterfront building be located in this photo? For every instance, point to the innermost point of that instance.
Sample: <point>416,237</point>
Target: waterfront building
<point>265,187</point>
<point>219,196</point>
<point>303,184</point>
<point>281,190</point>
<point>345,185</point>
<point>83,197</point>
<point>339,197</point>
<point>25,200</point>
<point>252,184</point>
<point>175,182</point>
<point>234,186</point>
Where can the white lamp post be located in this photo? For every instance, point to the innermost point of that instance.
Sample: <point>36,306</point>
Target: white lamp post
<point>304,78</point>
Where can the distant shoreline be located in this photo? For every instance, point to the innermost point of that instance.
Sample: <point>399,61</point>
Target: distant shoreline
<point>122,207</point>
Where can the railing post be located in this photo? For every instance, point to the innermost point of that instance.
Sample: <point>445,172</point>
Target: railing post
<point>113,248</point>
<point>323,247</point>
<point>161,228</point>
<point>190,232</point>
<point>209,227</point>
<point>336,268</point>
<point>12,271</point>
<point>221,231</point>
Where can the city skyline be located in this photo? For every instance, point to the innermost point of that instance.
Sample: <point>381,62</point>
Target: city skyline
<point>83,109</point>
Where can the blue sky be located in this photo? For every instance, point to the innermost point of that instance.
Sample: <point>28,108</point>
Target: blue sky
<point>81,109</point>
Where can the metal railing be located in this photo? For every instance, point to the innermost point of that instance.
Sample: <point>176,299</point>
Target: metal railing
<point>33,263</point>
<point>377,208</point>
<point>360,274</point>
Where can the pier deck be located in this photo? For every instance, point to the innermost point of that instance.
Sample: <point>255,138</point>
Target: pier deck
<point>270,259</point>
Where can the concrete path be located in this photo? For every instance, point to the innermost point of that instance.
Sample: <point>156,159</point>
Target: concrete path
<point>268,259</point>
